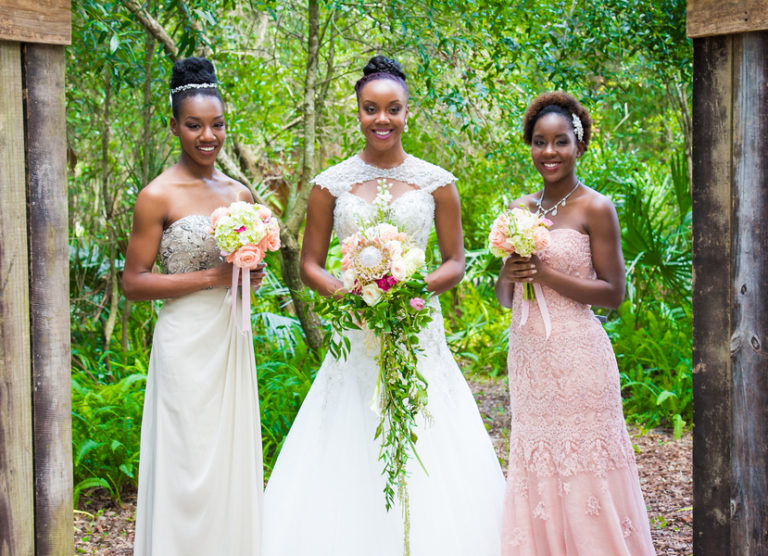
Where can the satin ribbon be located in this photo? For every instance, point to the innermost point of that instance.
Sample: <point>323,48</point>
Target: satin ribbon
<point>244,326</point>
<point>539,299</point>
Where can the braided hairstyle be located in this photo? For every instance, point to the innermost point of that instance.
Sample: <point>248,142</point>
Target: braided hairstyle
<point>192,71</point>
<point>558,103</point>
<point>381,67</point>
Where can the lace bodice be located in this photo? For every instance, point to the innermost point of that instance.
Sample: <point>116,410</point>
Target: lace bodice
<point>413,211</point>
<point>566,402</point>
<point>187,245</point>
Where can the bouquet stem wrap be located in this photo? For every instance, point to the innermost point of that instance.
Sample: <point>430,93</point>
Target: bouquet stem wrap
<point>535,297</point>
<point>244,326</point>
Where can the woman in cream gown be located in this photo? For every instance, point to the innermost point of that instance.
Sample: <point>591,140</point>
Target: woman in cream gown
<point>200,472</point>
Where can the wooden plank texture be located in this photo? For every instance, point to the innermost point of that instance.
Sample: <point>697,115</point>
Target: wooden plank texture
<point>38,21</point>
<point>49,296</point>
<point>720,17</point>
<point>749,325</point>
<point>712,226</point>
<point>17,534</point>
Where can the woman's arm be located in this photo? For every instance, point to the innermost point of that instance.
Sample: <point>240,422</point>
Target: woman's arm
<point>607,290</point>
<point>139,282</point>
<point>317,238</point>
<point>450,239</point>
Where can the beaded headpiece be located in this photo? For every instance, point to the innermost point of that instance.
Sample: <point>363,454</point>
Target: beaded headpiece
<point>193,86</point>
<point>578,129</point>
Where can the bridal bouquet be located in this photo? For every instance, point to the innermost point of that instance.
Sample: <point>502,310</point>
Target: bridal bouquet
<point>519,231</point>
<point>383,273</point>
<point>244,232</point>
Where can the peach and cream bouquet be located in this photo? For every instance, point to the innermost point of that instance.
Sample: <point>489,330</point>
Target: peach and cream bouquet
<point>244,232</point>
<point>384,291</point>
<point>519,231</point>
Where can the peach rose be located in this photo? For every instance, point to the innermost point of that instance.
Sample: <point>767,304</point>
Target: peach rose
<point>541,237</point>
<point>248,256</point>
<point>497,238</point>
<point>217,214</point>
<point>273,239</point>
<point>264,213</point>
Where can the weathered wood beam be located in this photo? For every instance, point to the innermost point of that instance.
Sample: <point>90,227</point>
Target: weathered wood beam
<point>46,21</point>
<point>730,321</point>
<point>17,534</point>
<point>749,324</point>
<point>712,213</point>
<point>49,296</point>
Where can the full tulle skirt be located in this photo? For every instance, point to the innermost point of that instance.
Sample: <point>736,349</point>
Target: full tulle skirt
<point>200,474</point>
<point>325,497</point>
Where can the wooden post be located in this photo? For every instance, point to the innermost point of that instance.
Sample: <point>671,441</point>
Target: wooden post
<point>712,178</point>
<point>17,535</point>
<point>35,389</point>
<point>49,296</point>
<point>730,321</point>
<point>749,324</point>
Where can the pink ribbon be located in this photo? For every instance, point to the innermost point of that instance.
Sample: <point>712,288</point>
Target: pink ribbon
<point>244,326</point>
<point>538,298</point>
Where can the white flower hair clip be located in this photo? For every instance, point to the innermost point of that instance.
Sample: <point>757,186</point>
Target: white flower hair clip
<point>578,129</point>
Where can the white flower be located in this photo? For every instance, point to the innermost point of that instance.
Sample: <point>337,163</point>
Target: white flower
<point>414,259</point>
<point>395,248</point>
<point>370,257</point>
<point>371,294</point>
<point>399,269</point>
<point>348,278</point>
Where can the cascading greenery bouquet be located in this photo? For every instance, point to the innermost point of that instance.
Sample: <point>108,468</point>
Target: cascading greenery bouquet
<point>383,275</point>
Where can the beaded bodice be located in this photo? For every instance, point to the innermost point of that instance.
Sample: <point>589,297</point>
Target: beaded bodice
<point>187,245</point>
<point>413,211</point>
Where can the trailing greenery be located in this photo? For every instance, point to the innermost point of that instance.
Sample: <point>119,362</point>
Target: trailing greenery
<point>473,66</point>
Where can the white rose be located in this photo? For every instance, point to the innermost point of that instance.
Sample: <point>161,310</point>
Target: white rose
<point>395,248</point>
<point>414,259</point>
<point>399,269</point>
<point>371,294</point>
<point>348,278</point>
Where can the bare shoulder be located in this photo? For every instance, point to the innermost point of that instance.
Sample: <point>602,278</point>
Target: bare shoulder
<point>599,210</point>
<point>528,201</point>
<point>156,194</point>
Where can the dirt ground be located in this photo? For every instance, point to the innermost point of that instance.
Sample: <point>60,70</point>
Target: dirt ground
<point>104,528</point>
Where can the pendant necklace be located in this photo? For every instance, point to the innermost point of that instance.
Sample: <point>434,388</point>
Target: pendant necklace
<point>540,211</point>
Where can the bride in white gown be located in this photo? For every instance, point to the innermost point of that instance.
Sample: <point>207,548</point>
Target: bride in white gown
<point>325,496</point>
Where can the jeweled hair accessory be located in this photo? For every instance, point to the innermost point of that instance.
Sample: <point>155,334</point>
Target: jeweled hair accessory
<point>193,86</point>
<point>578,129</point>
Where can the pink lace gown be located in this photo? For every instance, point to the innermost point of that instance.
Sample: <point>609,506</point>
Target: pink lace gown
<point>572,485</point>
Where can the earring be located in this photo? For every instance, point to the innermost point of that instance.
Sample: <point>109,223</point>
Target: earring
<point>405,129</point>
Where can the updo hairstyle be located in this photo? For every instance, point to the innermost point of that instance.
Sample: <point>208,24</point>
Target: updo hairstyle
<point>381,67</point>
<point>556,103</point>
<point>192,71</point>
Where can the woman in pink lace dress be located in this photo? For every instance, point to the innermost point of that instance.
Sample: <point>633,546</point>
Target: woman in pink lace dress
<point>572,483</point>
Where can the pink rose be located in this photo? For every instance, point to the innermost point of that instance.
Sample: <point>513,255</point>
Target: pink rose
<point>497,238</point>
<point>264,213</point>
<point>417,303</point>
<point>273,239</point>
<point>217,214</point>
<point>541,237</point>
<point>345,262</point>
<point>248,256</point>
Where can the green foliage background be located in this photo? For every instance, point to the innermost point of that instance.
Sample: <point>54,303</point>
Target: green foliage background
<point>472,68</point>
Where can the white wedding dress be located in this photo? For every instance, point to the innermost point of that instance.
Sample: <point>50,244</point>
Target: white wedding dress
<point>200,475</point>
<point>325,496</point>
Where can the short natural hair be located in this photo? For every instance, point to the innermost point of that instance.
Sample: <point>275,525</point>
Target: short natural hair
<point>559,103</point>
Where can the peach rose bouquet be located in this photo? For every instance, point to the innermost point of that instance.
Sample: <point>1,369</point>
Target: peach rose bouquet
<point>519,231</point>
<point>383,275</point>
<point>244,232</point>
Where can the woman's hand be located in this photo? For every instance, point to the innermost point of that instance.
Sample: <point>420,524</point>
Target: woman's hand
<point>520,269</point>
<point>220,276</point>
